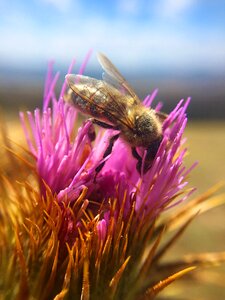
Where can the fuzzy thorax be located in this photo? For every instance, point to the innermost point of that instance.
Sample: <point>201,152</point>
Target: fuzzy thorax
<point>147,128</point>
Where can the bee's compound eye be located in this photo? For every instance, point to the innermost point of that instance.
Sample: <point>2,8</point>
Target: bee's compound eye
<point>153,149</point>
<point>147,165</point>
<point>138,166</point>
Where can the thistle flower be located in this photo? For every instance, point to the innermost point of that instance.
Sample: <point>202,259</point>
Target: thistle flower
<point>82,236</point>
<point>66,162</point>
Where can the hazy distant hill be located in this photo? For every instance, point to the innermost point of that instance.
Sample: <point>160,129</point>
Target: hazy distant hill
<point>23,89</point>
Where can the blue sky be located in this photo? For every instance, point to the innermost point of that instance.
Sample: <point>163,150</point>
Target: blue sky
<point>163,34</point>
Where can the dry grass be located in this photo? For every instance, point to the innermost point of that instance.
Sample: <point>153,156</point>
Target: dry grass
<point>206,144</point>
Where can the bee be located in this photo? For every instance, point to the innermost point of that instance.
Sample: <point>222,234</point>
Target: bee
<point>113,104</point>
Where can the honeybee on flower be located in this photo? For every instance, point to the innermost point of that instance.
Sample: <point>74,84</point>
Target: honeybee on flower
<point>113,104</point>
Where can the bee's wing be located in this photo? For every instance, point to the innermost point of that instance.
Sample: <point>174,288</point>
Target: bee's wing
<point>113,77</point>
<point>108,101</point>
<point>82,86</point>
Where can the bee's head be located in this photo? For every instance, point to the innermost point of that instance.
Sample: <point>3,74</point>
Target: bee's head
<point>151,153</point>
<point>153,149</point>
<point>147,127</point>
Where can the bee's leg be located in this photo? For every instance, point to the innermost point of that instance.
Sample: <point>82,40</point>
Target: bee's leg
<point>138,157</point>
<point>92,134</point>
<point>103,124</point>
<point>107,151</point>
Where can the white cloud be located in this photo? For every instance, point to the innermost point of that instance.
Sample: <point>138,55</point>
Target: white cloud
<point>127,45</point>
<point>129,6</point>
<point>173,8</point>
<point>61,5</point>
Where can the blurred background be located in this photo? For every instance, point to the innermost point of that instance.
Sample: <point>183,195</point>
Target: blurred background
<point>176,46</point>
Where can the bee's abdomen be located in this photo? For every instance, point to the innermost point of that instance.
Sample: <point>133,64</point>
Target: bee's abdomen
<point>85,106</point>
<point>96,107</point>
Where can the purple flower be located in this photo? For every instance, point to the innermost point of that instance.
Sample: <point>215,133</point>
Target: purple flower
<point>66,159</point>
